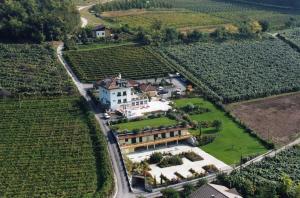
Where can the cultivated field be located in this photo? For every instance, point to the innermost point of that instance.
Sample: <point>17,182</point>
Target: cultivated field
<point>51,148</point>
<point>231,142</point>
<point>292,35</point>
<point>241,70</point>
<point>32,69</point>
<point>275,118</point>
<point>177,19</point>
<point>132,62</point>
<point>267,173</point>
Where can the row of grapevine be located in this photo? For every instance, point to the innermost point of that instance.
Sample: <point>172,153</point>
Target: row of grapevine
<point>292,35</point>
<point>241,70</point>
<point>46,149</point>
<point>27,69</point>
<point>132,62</point>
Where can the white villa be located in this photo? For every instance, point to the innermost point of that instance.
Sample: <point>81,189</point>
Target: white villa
<point>119,94</point>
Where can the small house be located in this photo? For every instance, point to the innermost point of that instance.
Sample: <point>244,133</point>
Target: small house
<point>215,191</point>
<point>101,31</point>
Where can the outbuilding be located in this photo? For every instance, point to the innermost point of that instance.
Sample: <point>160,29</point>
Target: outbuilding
<point>101,31</point>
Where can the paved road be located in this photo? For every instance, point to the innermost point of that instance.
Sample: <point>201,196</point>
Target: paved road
<point>122,188</point>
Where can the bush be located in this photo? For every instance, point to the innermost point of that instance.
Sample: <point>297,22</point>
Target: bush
<point>192,156</point>
<point>155,158</point>
<point>170,193</point>
<point>170,161</point>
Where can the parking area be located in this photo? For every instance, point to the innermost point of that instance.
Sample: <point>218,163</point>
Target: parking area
<point>186,169</point>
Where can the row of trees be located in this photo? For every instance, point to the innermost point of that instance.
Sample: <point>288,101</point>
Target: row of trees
<point>159,33</point>
<point>37,20</point>
<point>131,4</point>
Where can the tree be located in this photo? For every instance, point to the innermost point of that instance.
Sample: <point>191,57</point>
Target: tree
<point>220,34</point>
<point>286,184</point>
<point>155,158</point>
<point>143,38</point>
<point>201,182</point>
<point>171,35</point>
<point>187,190</point>
<point>170,193</point>
<point>194,36</point>
<point>265,25</point>
<point>217,124</point>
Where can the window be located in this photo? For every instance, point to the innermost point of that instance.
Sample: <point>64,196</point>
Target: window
<point>124,93</point>
<point>133,140</point>
<point>124,100</point>
<point>137,103</point>
<point>126,139</point>
<point>119,101</point>
<point>172,134</point>
<point>163,135</point>
<point>114,93</point>
<point>155,136</point>
<point>141,102</point>
<point>145,101</point>
<point>119,94</point>
<point>133,104</point>
<point>179,132</point>
<point>141,139</point>
<point>103,33</point>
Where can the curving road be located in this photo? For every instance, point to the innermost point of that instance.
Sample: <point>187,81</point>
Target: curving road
<point>84,21</point>
<point>121,188</point>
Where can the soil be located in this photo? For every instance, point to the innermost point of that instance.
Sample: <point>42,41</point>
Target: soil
<point>276,119</point>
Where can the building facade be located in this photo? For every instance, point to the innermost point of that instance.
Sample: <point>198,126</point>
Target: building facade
<point>118,94</point>
<point>131,141</point>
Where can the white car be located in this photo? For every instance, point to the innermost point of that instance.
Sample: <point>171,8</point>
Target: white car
<point>106,116</point>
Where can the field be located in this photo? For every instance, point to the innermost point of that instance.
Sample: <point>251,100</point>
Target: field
<point>176,19</point>
<point>276,118</point>
<point>46,150</point>
<point>241,70</point>
<point>132,62</point>
<point>50,146</point>
<point>232,141</point>
<point>292,35</point>
<point>156,122</point>
<point>268,173</point>
<point>32,69</point>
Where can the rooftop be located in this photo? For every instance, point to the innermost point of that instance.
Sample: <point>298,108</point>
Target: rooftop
<point>99,28</point>
<point>216,191</point>
<point>116,82</point>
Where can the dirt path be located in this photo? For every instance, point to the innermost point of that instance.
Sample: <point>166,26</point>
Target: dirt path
<point>84,21</point>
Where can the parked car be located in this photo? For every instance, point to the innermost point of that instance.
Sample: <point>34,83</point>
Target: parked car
<point>106,116</point>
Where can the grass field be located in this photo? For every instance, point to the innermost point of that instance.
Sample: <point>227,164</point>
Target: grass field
<point>276,118</point>
<point>51,148</point>
<point>156,122</point>
<point>132,62</point>
<point>241,70</point>
<point>177,19</point>
<point>232,142</point>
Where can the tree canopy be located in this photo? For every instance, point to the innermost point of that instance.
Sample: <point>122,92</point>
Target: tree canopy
<point>37,20</point>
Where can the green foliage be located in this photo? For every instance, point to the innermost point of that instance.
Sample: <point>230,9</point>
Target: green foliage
<point>187,190</point>
<point>155,158</point>
<point>132,62</point>
<point>241,70</point>
<point>132,4</point>
<point>170,193</point>
<point>37,20</point>
<point>280,174</point>
<point>170,161</point>
<point>28,69</point>
<point>52,144</point>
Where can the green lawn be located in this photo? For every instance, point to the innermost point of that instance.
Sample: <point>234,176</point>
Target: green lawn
<point>232,141</point>
<point>144,123</point>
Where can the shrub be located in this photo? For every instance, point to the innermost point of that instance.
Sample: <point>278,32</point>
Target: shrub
<point>192,156</point>
<point>170,161</point>
<point>155,158</point>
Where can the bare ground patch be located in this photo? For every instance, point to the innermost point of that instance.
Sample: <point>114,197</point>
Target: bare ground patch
<point>275,118</point>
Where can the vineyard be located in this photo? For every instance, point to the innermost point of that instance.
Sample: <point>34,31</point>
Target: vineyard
<point>46,150</point>
<point>292,35</point>
<point>132,62</point>
<point>241,70</point>
<point>32,69</point>
<point>268,171</point>
<point>177,19</point>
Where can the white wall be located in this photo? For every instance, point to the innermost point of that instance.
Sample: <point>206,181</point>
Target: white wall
<point>100,34</point>
<point>111,96</point>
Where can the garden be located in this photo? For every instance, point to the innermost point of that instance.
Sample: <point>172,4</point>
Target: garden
<point>241,70</point>
<point>227,141</point>
<point>133,62</point>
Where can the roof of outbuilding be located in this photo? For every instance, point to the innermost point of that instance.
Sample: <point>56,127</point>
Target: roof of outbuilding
<point>214,191</point>
<point>147,87</point>
<point>99,28</point>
